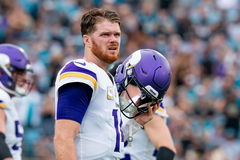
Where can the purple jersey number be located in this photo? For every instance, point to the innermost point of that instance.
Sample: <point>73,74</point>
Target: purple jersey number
<point>17,134</point>
<point>119,133</point>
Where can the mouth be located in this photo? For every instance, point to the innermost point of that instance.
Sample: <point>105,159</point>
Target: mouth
<point>113,48</point>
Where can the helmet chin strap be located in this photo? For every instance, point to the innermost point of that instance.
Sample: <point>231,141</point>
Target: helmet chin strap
<point>144,105</point>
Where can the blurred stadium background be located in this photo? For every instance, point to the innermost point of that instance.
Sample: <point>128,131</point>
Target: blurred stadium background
<point>200,38</point>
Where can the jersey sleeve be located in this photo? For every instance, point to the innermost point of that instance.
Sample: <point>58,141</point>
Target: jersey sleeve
<point>77,72</point>
<point>73,101</point>
<point>4,99</point>
<point>161,111</point>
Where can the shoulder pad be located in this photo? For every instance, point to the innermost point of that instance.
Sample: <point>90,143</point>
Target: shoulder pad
<point>4,99</point>
<point>161,111</point>
<point>78,71</point>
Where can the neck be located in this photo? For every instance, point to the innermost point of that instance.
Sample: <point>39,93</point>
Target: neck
<point>90,57</point>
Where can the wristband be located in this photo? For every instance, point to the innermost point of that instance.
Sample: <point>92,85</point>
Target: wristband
<point>4,151</point>
<point>165,153</point>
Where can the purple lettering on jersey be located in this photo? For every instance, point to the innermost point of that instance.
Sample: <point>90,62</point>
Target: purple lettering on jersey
<point>71,67</point>
<point>15,147</point>
<point>17,132</point>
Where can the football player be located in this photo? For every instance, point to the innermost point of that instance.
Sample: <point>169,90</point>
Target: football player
<point>142,79</point>
<point>15,80</point>
<point>88,118</point>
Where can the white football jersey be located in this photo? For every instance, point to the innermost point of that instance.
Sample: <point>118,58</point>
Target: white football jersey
<point>141,147</point>
<point>14,130</point>
<point>100,136</point>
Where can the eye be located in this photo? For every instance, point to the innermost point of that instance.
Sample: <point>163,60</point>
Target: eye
<point>105,34</point>
<point>117,34</point>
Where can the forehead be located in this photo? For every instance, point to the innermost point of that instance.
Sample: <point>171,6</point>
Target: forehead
<point>107,26</point>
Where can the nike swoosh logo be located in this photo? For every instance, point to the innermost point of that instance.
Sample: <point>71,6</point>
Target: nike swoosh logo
<point>84,63</point>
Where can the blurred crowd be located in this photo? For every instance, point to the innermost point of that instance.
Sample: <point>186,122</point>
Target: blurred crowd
<point>200,38</point>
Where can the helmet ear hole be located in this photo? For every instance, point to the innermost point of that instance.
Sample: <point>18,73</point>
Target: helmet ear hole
<point>154,57</point>
<point>143,71</point>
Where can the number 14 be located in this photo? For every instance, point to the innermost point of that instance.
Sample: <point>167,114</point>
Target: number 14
<point>119,133</point>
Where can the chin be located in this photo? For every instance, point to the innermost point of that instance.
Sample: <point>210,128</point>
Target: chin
<point>111,60</point>
<point>112,56</point>
<point>107,56</point>
<point>113,52</point>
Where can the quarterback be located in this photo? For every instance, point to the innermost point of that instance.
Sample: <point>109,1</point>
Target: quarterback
<point>15,80</point>
<point>88,120</point>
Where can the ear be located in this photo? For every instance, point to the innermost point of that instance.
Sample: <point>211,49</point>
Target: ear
<point>87,41</point>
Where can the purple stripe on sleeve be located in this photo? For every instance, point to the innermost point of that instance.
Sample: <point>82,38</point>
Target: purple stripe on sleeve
<point>71,67</point>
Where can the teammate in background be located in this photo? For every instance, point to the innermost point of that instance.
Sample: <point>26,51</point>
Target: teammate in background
<point>88,118</point>
<point>15,80</point>
<point>143,78</point>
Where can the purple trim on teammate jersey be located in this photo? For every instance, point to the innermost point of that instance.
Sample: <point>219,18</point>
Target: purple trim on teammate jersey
<point>15,147</point>
<point>125,143</point>
<point>17,131</point>
<point>127,156</point>
<point>161,105</point>
<point>73,101</point>
<point>71,67</point>
<point>155,152</point>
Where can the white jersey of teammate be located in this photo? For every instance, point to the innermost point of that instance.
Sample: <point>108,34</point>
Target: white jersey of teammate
<point>14,130</point>
<point>141,147</point>
<point>100,136</point>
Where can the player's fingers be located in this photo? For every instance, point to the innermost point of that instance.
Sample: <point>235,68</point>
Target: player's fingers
<point>155,107</point>
<point>150,111</point>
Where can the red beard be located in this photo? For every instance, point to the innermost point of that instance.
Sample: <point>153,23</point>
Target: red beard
<point>102,55</point>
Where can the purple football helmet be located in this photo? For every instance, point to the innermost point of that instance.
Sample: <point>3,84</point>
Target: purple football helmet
<point>150,71</point>
<point>15,70</point>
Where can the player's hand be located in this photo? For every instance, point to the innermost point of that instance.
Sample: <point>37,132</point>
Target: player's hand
<point>143,118</point>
